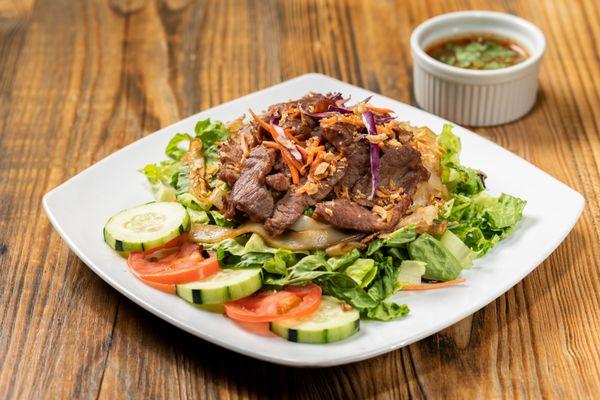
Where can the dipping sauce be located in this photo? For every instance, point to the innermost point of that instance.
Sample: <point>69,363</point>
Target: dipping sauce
<point>478,51</point>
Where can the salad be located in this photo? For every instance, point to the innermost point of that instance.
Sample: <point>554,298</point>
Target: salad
<point>308,217</point>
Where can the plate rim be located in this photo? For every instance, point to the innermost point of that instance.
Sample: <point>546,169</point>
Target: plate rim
<point>577,209</point>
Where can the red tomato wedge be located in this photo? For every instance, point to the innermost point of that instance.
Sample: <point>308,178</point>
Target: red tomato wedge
<point>273,305</point>
<point>178,261</point>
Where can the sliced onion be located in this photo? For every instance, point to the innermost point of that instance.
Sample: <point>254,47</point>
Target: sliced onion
<point>306,223</point>
<point>344,248</point>
<point>317,116</point>
<point>286,142</point>
<point>295,241</point>
<point>369,121</point>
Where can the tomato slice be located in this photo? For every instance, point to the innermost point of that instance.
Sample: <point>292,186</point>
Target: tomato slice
<point>178,261</point>
<point>163,287</point>
<point>290,302</point>
<point>257,328</point>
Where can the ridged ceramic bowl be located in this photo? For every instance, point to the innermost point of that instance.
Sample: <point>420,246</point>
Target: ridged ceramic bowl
<point>476,97</point>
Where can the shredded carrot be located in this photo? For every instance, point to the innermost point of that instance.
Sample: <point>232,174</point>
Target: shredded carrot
<point>315,163</point>
<point>378,110</point>
<point>309,161</point>
<point>293,170</point>
<point>288,159</point>
<point>303,152</point>
<point>261,122</point>
<point>291,137</point>
<point>434,285</point>
<point>272,145</point>
<point>245,150</point>
<point>275,136</point>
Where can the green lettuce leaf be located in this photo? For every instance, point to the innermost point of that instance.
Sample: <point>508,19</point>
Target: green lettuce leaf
<point>210,217</point>
<point>441,264</point>
<point>362,271</point>
<point>410,272</point>
<point>307,269</point>
<point>343,261</point>
<point>159,177</point>
<point>456,177</point>
<point>478,219</point>
<point>481,221</point>
<point>387,311</point>
<point>211,132</point>
<point>173,150</point>
<point>372,300</point>
<point>257,244</point>
<point>280,262</point>
<point>401,237</point>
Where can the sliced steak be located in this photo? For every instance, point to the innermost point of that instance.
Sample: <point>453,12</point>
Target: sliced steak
<point>402,134</point>
<point>230,154</point>
<point>292,205</point>
<point>249,193</point>
<point>278,181</point>
<point>347,214</point>
<point>401,167</point>
<point>356,150</point>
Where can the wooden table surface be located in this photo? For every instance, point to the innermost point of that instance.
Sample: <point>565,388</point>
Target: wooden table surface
<point>81,79</point>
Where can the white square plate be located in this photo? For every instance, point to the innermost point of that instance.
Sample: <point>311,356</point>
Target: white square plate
<point>79,208</point>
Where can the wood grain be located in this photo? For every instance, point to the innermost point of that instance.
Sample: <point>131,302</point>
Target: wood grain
<point>81,79</point>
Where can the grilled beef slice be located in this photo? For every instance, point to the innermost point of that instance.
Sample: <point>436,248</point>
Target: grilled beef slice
<point>341,136</point>
<point>292,205</point>
<point>249,193</point>
<point>400,167</point>
<point>230,154</point>
<point>278,181</point>
<point>347,214</point>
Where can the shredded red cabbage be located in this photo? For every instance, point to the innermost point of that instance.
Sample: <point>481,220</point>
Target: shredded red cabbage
<point>317,115</point>
<point>340,110</point>
<point>369,121</point>
<point>333,110</point>
<point>340,102</point>
<point>335,96</point>
<point>383,120</point>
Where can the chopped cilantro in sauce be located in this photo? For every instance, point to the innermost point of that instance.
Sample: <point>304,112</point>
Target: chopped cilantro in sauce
<point>478,52</point>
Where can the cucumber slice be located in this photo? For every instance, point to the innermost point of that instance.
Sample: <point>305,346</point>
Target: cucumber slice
<point>225,285</point>
<point>329,323</point>
<point>146,226</point>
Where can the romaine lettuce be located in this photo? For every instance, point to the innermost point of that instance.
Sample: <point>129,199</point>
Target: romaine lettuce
<point>476,218</point>
<point>441,264</point>
<point>457,177</point>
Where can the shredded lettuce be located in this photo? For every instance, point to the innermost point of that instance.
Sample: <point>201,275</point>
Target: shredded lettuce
<point>159,177</point>
<point>410,272</point>
<point>173,151</point>
<point>457,177</point>
<point>482,221</point>
<point>169,180</point>
<point>211,132</point>
<point>475,217</point>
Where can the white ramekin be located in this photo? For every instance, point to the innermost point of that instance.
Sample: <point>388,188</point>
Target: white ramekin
<point>476,97</point>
